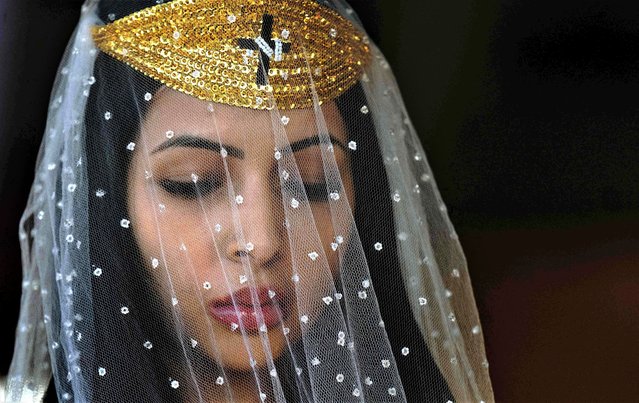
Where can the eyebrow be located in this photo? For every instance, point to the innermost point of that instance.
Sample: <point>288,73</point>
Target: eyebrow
<point>192,141</point>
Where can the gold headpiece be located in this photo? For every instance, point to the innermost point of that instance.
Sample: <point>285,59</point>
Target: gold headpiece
<point>220,50</point>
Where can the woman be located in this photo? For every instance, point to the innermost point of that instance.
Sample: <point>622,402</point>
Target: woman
<point>231,205</point>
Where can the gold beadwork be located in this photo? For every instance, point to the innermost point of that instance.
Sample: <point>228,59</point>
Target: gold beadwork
<point>193,46</point>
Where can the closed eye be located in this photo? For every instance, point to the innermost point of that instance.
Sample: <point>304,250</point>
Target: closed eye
<point>190,190</point>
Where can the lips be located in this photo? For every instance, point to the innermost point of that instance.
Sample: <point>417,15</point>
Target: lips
<point>224,311</point>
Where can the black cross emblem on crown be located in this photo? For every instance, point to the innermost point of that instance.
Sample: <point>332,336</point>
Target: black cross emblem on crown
<point>269,48</point>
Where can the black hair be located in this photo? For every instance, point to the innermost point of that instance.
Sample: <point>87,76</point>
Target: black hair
<point>114,249</point>
<point>421,379</point>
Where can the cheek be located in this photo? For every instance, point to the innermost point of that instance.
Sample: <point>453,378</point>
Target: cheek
<point>328,230</point>
<point>157,233</point>
<point>178,236</point>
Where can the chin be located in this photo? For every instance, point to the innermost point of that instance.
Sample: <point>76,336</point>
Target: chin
<point>232,349</point>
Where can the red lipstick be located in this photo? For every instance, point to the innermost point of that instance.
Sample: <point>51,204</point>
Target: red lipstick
<point>224,311</point>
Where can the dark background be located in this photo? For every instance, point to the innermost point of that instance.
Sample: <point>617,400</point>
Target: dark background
<point>528,111</point>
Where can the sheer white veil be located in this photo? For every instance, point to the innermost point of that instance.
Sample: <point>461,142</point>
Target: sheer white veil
<point>179,247</point>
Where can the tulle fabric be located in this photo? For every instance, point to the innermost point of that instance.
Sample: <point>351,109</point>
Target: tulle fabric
<point>176,249</point>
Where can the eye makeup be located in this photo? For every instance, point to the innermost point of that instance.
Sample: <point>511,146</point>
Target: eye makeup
<point>175,178</point>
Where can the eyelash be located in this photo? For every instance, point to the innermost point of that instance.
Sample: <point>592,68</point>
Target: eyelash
<point>190,190</point>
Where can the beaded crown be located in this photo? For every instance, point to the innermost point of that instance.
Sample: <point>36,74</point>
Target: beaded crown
<point>251,53</point>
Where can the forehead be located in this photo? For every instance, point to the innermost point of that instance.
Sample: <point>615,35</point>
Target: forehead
<point>183,114</point>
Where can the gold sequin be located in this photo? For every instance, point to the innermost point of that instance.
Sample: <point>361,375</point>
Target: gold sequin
<point>193,46</point>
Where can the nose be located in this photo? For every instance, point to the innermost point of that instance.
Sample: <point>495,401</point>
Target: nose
<point>261,220</point>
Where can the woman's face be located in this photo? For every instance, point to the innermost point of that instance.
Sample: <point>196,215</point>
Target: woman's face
<point>188,232</point>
